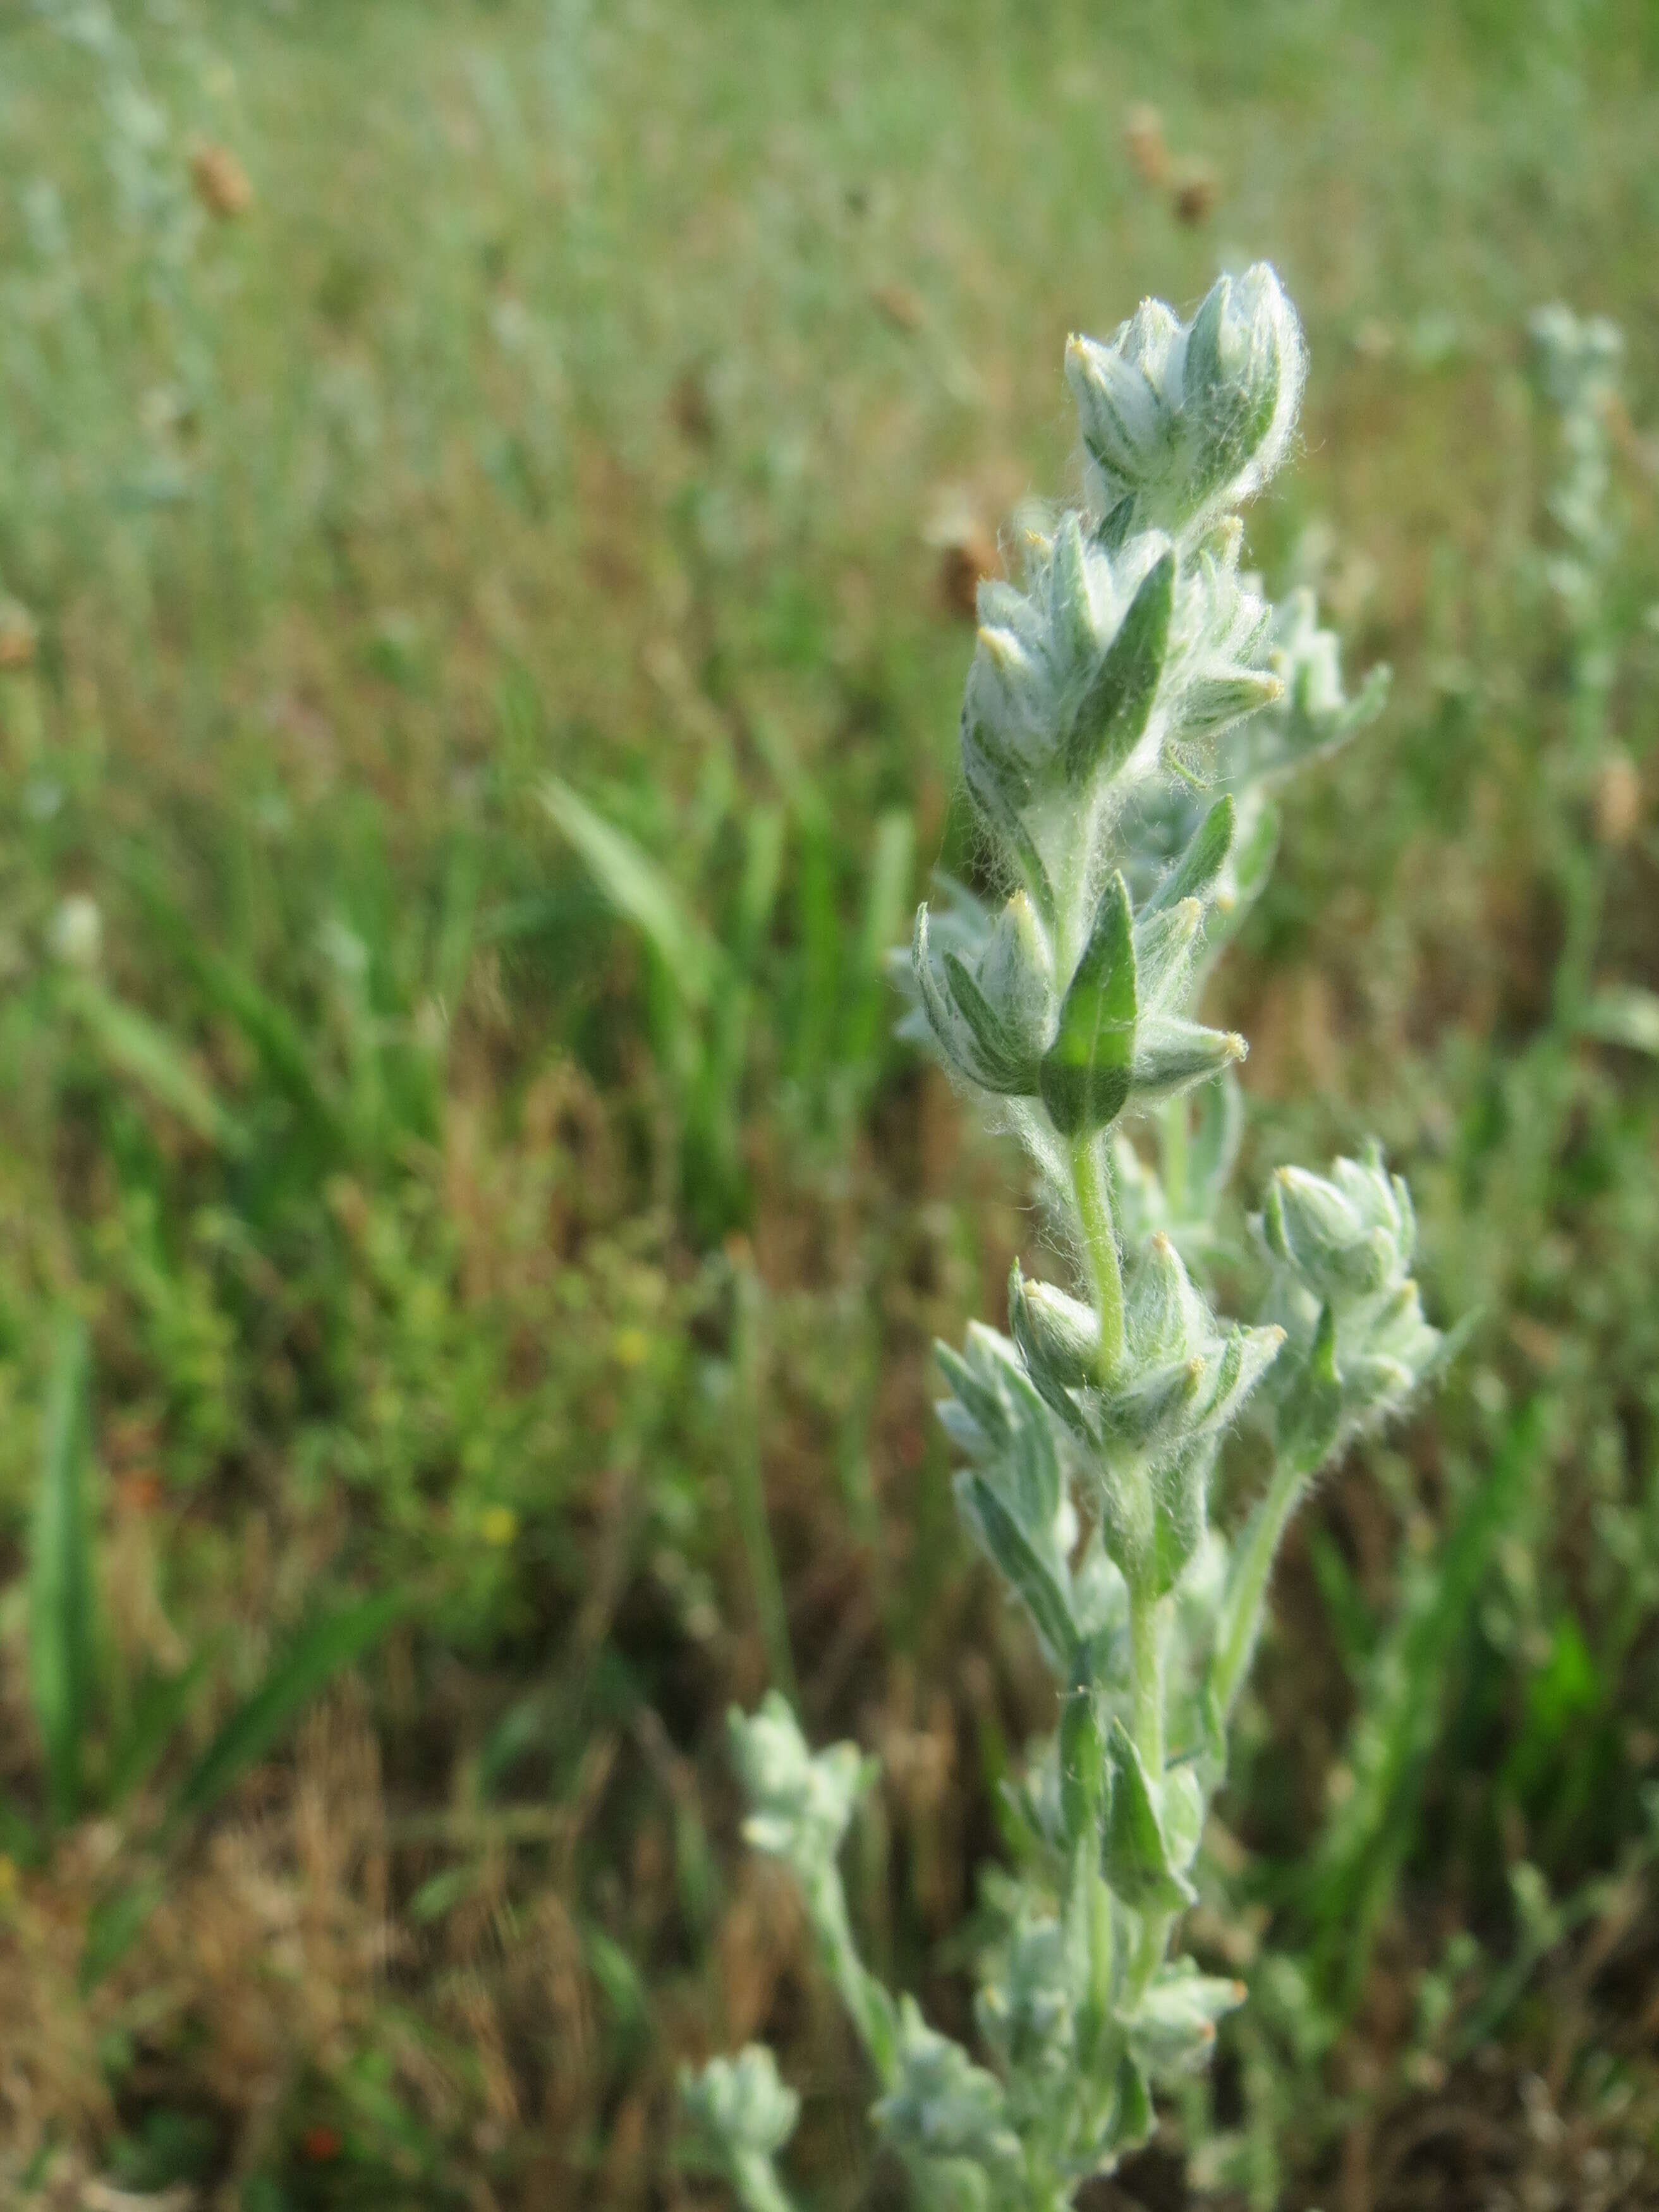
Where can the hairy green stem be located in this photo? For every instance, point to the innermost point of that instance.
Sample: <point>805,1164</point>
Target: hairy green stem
<point>1151,1945</point>
<point>1092,1192</point>
<point>1174,1145</point>
<point>754,2180</point>
<point>866,2002</point>
<point>747,1491</point>
<point>1240,1618</point>
<point>1088,1926</point>
<point>1146,1627</point>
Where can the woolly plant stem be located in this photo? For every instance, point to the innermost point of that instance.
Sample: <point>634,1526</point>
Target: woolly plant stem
<point>1241,1622</point>
<point>1146,1624</point>
<point>1092,1194</point>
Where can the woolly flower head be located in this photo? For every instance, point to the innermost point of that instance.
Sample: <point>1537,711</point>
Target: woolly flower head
<point>802,1802</point>
<point>1341,1247</point>
<point>1107,662</point>
<point>740,2104</point>
<point>1181,421</point>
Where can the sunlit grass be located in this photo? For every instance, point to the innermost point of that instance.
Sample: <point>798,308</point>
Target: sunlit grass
<point>577,395</point>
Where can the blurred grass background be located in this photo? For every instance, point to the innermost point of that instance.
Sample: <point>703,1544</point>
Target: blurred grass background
<point>469,1250</point>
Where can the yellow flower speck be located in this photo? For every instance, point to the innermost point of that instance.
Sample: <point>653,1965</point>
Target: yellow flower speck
<point>499,1525</point>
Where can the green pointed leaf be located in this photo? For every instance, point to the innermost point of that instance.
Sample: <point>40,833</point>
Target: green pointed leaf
<point>1138,1862</point>
<point>940,1008</point>
<point>1226,1378</point>
<point>1058,1338</point>
<point>1134,2114</point>
<point>1194,874</point>
<point>1253,862</point>
<point>1152,1411</point>
<point>1170,1056</point>
<point>1000,791</point>
<point>1166,943</point>
<point>998,1420</point>
<point>1183,1813</point>
<point>1036,1580</point>
<point>1084,1076</point>
<point>1210,704</point>
<point>946,1021</point>
<point>1071,588</point>
<point>1113,528</point>
<point>984,1404</point>
<point>1015,1073</point>
<point>1230,407</point>
<point>61,1596</point>
<point>1179,1513</point>
<point>1112,715</point>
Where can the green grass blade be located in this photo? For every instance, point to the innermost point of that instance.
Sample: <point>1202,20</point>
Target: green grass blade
<point>817,956</point>
<point>1626,1016</point>
<point>320,1652</point>
<point>268,1027</point>
<point>1393,1738</point>
<point>60,1596</point>
<point>159,1710</point>
<point>757,887</point>
<point>883,923</point>
<point>114,1925</point>
<point>141,1052</point>
<point>639,891</point>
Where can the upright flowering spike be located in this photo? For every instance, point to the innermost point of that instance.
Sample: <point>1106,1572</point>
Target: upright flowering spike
<point>1131,701</point>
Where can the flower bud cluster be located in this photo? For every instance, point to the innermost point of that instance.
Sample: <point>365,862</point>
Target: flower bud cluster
<point>948,2119</point>
<point>1358,1345</point>
<point>740,2115</point>
<point>1181,421</point>
<point>1149,1428</point>
<point>1117,1035</point>
<point>1576,362</point>
<point>801,1804</point>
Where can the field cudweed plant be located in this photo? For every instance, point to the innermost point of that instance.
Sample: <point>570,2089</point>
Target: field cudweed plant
<point>1129,712</point>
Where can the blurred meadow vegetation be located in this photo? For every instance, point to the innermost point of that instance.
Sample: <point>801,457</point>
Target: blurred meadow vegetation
<point>488,498</point>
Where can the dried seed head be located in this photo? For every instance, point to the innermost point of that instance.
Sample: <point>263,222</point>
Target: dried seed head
<point>967,553</point>
<point>899,306</point>
<point>221,182</point>
<point>1618,800</point>
<point>17,637</point>
<point>1143,137</point>
<point>692,409</point>
<point>1196,191</point>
